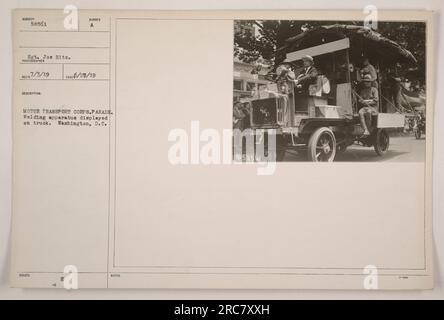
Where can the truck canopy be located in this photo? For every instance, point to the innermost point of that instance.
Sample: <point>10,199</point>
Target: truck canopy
<point>363,42</point>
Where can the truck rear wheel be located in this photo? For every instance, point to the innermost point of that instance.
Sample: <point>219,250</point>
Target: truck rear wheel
<point>322,145</point>
<point>381,142</point>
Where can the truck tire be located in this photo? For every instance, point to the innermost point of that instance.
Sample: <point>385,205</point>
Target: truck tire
<point>322,145</point>
<point>381,142</point>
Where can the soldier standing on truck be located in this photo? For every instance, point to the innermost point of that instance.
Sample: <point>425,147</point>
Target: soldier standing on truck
<point>285,83</point>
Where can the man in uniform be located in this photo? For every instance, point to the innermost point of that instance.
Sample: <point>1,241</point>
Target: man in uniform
<point>367,101</point>
<point>368,69</point>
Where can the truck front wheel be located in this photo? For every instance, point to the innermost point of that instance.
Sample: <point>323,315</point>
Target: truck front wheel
<point>322,145</point>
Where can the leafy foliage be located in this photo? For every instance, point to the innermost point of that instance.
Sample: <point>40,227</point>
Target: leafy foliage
<point>410,35</point>
<point>255,40</point>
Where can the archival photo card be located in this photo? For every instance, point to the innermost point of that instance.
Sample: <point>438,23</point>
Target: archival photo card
<point>222,149</point>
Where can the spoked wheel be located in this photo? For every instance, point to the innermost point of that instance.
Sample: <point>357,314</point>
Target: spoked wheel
<point>381,142</point>
<point>322,145</point>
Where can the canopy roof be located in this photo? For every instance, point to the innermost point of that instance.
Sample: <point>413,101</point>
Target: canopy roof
<point>363,41</point>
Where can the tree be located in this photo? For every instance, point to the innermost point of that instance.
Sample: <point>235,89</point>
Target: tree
<point>260,39</point>
<point>255,39</point>
<point>410,35</point>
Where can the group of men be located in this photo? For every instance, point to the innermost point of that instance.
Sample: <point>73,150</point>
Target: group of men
<point>308,76</point>
<point>288,83</point>
<point>367,97</point>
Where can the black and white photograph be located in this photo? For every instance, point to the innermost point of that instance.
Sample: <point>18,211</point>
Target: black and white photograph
<point>331,90</point>
<point>174,154</point>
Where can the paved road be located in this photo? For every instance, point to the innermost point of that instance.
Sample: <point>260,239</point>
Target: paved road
<point>402,149</point>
